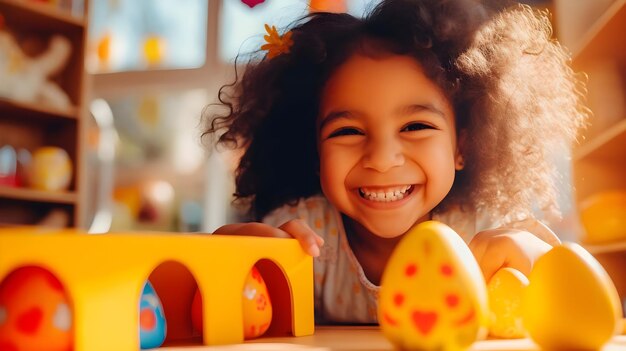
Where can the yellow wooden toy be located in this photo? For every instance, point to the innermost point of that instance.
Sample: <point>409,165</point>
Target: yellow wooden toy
<point>433,295</point>
<point>570,303</point>
<point>257,307</point>
<point>103,276</point>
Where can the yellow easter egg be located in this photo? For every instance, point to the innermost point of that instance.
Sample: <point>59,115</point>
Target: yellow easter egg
<point>433,295</point>
<point>51,169</point>
<point>257,306</point>
<point>506,291</point>
<point>571,302</point>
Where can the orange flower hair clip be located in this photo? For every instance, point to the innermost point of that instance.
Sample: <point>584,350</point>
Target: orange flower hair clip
<point>276,44</point>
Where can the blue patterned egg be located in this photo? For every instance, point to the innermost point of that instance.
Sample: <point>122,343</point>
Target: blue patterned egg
<point>152,323</point>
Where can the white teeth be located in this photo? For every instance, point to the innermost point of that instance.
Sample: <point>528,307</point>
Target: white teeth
<point>391,194</point>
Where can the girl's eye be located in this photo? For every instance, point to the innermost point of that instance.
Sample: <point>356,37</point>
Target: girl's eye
<point>412,127</point>
<point>345,132</point>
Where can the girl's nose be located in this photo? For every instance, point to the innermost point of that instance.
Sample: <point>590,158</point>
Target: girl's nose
<point>382,155</point>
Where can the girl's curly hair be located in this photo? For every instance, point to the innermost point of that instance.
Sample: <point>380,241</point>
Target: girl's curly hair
<point>513,94</point>
<point>530,110</point>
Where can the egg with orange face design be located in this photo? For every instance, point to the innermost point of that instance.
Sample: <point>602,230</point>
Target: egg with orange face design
<point>433,295</point>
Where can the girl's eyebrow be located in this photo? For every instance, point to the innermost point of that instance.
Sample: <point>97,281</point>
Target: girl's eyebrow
<point>333,115</point>
<point>416,108</point>
<point>404,110</point>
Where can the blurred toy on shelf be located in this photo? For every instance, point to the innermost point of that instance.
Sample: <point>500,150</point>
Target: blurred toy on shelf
<point>571,302</point>
<point>36,312</point>
<point>8,166</point>
<point>604,217</point>
<point>55,218</point>
<point>257,307</point>
<point>336,6</point>
<point>452,312</point>
<point>252,3</point>
<point>51,169</point>
<point>73,7</point>
<point>24,163</point>
<point>154,50</point>
<point>158,208</point>
<point>26,79</point>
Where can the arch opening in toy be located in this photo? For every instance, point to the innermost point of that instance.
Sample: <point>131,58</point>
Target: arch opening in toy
<point>280,293</point>
<point>175,286</point>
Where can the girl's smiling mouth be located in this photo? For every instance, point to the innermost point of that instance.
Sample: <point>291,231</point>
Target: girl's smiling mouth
<point>386,194</point>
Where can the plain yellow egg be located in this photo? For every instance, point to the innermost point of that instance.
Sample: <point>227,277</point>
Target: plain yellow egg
<point>571,302</point>
<point>506,291</point>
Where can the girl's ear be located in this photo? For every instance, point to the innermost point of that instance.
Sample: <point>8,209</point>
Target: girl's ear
<point>459,162</point>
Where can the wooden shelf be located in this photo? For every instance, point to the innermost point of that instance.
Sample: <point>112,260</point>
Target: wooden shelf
<point>32,195</point>
<point>36,12</point>
<point>21,108</point>
<point>32,125</point>
<point>603,39</point>
<point>614,247</point>
<point>609,146</point>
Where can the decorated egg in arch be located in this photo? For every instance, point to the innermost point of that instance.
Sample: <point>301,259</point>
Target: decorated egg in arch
<point>256,306</point>
<point>433,295</point>
<point>152,323</point>
<point>35,312</point>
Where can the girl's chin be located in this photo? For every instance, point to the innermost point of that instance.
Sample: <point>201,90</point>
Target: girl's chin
<point>388,232</point>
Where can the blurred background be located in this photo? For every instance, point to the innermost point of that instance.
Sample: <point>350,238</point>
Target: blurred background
<point>100,106</point>
<point>156,64</point>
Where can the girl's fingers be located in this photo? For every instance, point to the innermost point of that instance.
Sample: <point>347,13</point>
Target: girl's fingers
<point>491,262</point>
<point>309,240</point>
<point>478,247</point>
<point>297,229</point>
<point>488,254</point>
<point>252,229</point>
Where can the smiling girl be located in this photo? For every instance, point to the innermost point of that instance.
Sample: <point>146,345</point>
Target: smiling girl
<point>355,130</point>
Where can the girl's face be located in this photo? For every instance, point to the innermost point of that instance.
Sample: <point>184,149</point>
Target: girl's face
<point>387,143</point>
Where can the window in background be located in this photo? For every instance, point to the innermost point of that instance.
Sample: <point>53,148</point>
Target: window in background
<point>127,35</point>
<point>241,28</point>
<point>153,76</point>
<point>158,165</point>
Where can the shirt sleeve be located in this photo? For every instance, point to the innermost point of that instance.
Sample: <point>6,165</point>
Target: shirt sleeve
<point>468,224</point>
<point>531,225</point>
<point>539,229</point>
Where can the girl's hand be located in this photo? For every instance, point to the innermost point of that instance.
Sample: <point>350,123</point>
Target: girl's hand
<point>498,248</point>
<point>295,228</point>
